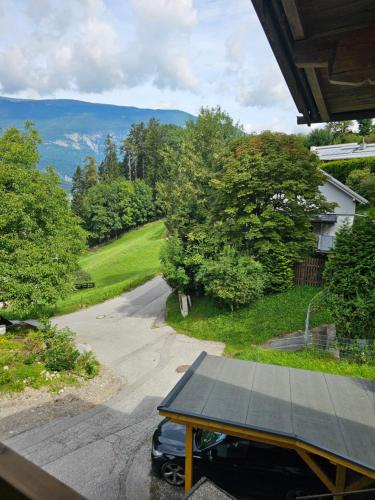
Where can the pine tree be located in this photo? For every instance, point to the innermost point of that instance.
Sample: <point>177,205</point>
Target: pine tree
<point>109,169</point>
<point>78,191</point>
<point>90,174</point>
<point>133,165</point>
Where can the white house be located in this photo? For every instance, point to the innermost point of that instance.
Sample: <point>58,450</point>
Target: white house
<point>326,225</point>
<point>335,191</point>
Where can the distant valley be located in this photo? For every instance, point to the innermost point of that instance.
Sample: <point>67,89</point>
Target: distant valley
<point>71,129</point>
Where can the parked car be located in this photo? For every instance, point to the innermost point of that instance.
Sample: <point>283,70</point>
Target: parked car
<point>239,466</point>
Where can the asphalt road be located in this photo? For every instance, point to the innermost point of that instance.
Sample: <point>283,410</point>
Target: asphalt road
<point>104,452</point>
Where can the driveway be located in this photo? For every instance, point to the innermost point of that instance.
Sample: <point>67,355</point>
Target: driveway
<point>104,453</point>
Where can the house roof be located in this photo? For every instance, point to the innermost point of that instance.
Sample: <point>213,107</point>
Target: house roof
<point>346,189</point>
<point>344,151</point>
<point>331,414</point>
<point>325,52</point>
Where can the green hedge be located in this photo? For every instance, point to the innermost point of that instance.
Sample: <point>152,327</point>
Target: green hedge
<point>342,168</point>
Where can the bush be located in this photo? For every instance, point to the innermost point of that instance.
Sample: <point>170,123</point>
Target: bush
<point>232,278</point>
<point>341,169</point>
<point>279,271</point>
<point>60,353</point>
<point>172,257</point>
<point>350,277</point>
<point>88,364</point>
<point>363,181</point>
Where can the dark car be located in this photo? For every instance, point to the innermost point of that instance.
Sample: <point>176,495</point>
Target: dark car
<point>242,467</point>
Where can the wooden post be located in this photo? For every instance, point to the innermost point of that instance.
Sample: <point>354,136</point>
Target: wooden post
<point>340,481</point>
<point>188,458</point>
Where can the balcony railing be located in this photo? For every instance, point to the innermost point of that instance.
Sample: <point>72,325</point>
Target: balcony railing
<point>21,479</point>
<point>325,242</point>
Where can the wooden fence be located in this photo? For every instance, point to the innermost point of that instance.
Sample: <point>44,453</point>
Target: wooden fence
<point>309,272</point>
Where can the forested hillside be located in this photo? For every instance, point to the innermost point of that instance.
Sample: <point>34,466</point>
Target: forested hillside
<point>72,130</point>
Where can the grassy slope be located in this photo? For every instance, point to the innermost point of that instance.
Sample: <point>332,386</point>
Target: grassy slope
<point>118,266</point>
<point>269,317</point>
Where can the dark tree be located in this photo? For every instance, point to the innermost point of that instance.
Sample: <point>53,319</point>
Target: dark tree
<point>133,165</point>
<point>109,169</point>
<point>90,174</point>
<point>78,191</point>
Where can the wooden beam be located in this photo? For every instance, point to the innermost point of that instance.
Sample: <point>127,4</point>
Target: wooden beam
<point>263,437</point>
<point>317,93</point>
<point>294,20</point>
<point>317,470</point>
<point>188,458</point>
<point>312,54</point>
<point>360,484</point>
<point>340,481</point>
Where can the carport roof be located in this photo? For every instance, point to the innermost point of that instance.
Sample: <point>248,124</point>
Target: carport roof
<point>329,413</point>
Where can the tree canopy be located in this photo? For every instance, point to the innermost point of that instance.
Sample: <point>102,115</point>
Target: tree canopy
<point>20,147</point>
<point>254,195</point>
<point>40,238</point>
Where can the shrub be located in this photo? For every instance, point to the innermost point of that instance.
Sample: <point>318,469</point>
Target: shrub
<point>60,353</point>
<point>172,257</point>
<point>341,169</point>
<point>350,278</point>
<point>88,364</point>
<point>279,271</point>
<point>363,181</point>
<point>232,278</point>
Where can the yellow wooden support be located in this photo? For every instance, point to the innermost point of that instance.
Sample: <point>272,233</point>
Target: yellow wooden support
<point>265,437</point>
<point>188,458</point>
<point>317,470</point>
<point>340,481</point>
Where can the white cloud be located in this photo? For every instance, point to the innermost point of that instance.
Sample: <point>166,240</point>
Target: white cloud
<point>78,45</point>
<point>266,89</point>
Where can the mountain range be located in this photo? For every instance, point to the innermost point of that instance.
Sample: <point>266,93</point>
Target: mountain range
<point>72,130</point>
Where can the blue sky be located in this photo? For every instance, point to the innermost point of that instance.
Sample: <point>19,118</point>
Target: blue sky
<point>180,54</point>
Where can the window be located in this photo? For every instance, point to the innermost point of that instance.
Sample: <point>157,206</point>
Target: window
<point>236,449</point>
<point>204,439</point>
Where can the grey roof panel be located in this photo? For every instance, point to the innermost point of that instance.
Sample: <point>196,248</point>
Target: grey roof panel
<point>201,383</point>
<point>355,415</point>
<point>312,404</point>
<point>270,406</point>
<point>330,412</point>
<point>230,394</point>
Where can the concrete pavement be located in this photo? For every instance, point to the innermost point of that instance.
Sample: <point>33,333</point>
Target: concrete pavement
<point>104,453</point>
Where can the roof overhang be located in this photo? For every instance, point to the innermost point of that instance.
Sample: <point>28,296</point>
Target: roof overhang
<point>326,52</point>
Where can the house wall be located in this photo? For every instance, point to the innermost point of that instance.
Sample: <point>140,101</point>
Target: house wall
<point>345,205</point>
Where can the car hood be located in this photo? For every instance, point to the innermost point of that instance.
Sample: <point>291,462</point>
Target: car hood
<point>170,437</point>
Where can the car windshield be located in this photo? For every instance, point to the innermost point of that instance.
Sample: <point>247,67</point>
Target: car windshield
<point>203,439</point>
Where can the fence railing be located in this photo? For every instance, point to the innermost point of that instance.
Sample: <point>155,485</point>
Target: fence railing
<point>21,479</point>
<point>309,272</point>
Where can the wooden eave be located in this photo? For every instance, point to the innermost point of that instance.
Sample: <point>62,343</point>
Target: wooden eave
<point>326,52</point>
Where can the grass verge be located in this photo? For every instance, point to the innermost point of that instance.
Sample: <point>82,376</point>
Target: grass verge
<point>117,267</point>
<point>244,329</point>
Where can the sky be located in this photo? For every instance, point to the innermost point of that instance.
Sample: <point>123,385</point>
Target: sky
<point>168,54</point>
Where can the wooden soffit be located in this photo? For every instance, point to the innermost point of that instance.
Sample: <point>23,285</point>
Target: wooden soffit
<point>326,51</point>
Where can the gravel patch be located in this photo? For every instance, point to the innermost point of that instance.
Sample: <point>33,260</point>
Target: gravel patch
<point>161,490</point>
<point>20,412</point>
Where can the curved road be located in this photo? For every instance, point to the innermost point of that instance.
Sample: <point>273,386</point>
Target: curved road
<point>104,453</point>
